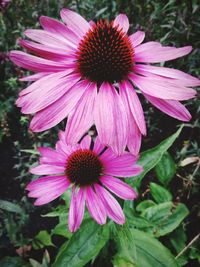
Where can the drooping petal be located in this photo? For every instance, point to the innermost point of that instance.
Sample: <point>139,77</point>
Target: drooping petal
<point>122,166</point>
<point>180,76</point>
<point>86,142</point>
<point>162,89</point>
<point>34,77</point>
<point>137,38</point>
<point>82,118</point>
<point>48,52</point>
<point>95,206</point>
<point>134,137</point>
<point>110,118</point>
<point>113,209</point>
<point>75,22</point>
<point>118,187</point>
<point>47,188</point>
<point>50,91</point>
<point>127,91</point>
<point>36,64</point>
<point>51,156</point>
<point>59,28</point>
<point>56,112</point>
<point>76,210</point>
<point>44,169</point>
<point>122,22</point>
<point>159,54</point>
<point>98,146</point>
<point>171,107</point>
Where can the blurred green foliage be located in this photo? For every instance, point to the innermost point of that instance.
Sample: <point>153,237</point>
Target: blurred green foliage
<point>165,216</point>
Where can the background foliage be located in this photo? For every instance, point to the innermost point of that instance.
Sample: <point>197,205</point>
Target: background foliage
<point>162,227</point>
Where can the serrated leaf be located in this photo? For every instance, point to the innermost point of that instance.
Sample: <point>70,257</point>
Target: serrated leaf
<point>151,157</point>
<point>159,193</point>
<point>149,253</point>
<point>83,245</point>
<point>165,169</point>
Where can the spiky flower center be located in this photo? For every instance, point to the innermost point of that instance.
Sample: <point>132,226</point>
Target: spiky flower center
<point>83,167</point>
<point>105,54</point>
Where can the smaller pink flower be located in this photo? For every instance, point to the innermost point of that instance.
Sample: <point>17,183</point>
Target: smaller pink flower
<point>91,170</point>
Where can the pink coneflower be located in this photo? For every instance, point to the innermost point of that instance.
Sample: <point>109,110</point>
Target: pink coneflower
<point>91,174</point>
<point>88,72</point>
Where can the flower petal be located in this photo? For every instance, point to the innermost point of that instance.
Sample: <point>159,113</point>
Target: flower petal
<point>50,156</point>
<point>86,142</point>
<point>171,107</point>
<point>36,64</point>
<point>180,76</point>
<point>81,119</point>
<point>162,89</point>
<point>122,22</point>
<point>44,169</point>
<point>56,112</point>
<point>119,188</point>
<point>112,207</point>
<point>76,210</point>
<point>98,146</point>
<point>156,54</point>
<point>127,91</point>
<point>34,77</point>
<point>122,166</point>
<point>95,206</point>
<point>137,38</point>
<point>75,22</point>
<point>110,118</point>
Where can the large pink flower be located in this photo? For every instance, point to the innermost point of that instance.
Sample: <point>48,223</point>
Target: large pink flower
<point>88,72</point>
<point>91,173</point>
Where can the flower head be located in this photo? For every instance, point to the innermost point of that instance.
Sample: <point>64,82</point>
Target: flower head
<point>91,172</point>
<point>88,72</point>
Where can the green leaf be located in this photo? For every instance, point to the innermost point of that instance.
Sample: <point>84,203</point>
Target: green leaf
<point>165,217</point>
<point>13,262</point>
<point>145,204</point>
<point>41,240</point>
<point>165,169</point>
<point>9,206</point>
<point>151,157</point>
<point>61,229</point>
<point>83,246</point>
<point>159,193</point>
<point>149,253</point>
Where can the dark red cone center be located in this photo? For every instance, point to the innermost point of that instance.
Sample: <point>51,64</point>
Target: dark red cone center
<point>83,167</point>
<point>105,54</point>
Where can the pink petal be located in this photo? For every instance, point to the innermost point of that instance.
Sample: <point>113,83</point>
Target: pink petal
<point>48,52</point>
<point>86,142</point>
<point>51,156</point>
<point>44,169</point>
<point>162,89</point>
<point>171,107</point>
<point>122,166</point>
<point>81,119</point>
<point>137,38</point>
<point>181,76</point>
<point>59,28</point>
<point>121,21</point>
<point>36,64</point>
<point>119,188</point>
<point>52,90</point>
<point>49,39</point>
<point>110,118</point>
<point>95,206</point>
<point>134,137</point>
<point>34,77</point>
<point>98,146</point>
<point>127,91</point>
<point>112,207</point>
<point>75,22</point>
<point>56,112</point>
<point>107,155</point>
<point>62,147</point>
<point>76,210</point>
<point>45,181</point>
<point>155,54</point>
